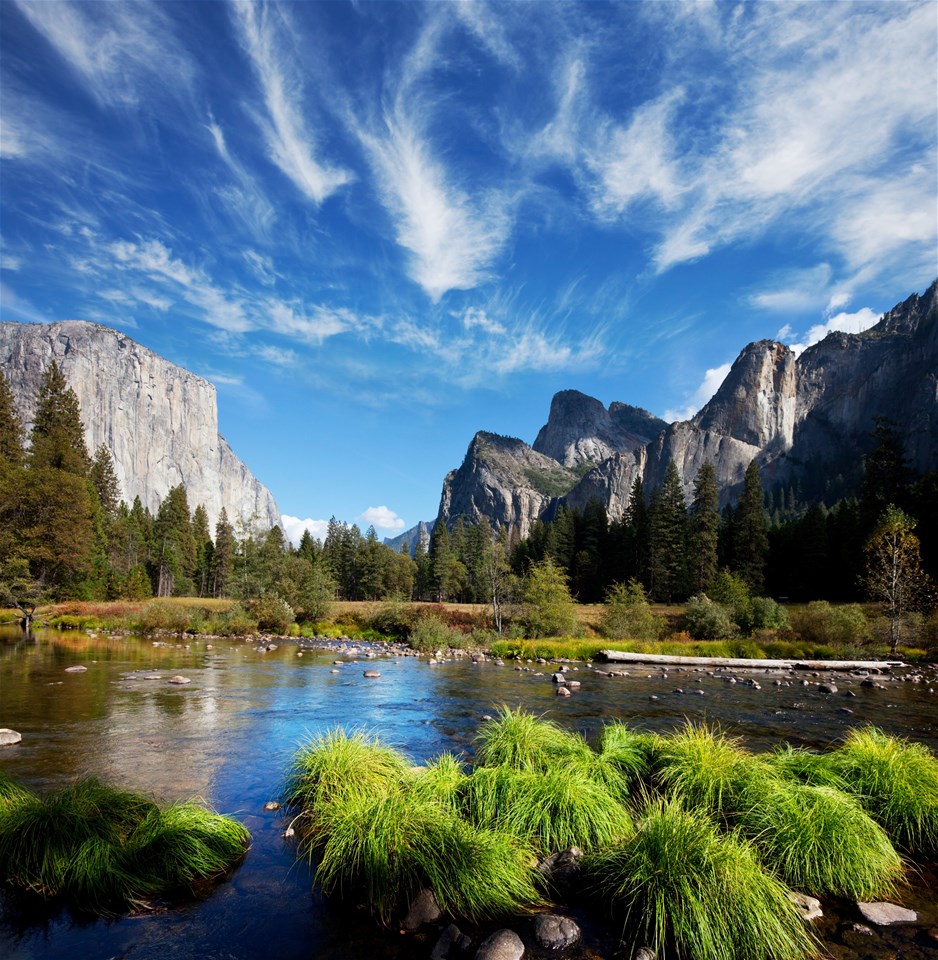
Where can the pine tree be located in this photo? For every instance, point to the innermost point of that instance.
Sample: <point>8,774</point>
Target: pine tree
<point>57,440</point>
<point>704,529</point>
<point>638,535</point>
<point>223,556</point>
<point>11,430</point>
<point>105,480</point>
<point>549,610</point>
<point>204,548</point>
<point>668,540</point>
<point>174,552</point>
<point>750,531</point>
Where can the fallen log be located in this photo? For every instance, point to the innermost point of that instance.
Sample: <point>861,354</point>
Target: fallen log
<point>742,663</point>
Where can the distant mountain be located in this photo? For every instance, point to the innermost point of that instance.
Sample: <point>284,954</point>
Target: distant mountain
<point>411,537</point>
<point>805,420</point>
<point>159,421</point>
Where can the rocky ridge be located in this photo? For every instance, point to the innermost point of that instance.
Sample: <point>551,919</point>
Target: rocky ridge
<point>804,419</point>
<point>159,421</point>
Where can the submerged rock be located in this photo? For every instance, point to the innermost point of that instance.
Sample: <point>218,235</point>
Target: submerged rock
<point>554,932</point>
<point>76,669</point>
<point>501,945</point>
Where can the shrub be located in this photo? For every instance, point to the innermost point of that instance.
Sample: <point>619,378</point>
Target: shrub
<point>549,610</point>
<point>679,884</point>
<point>273,613</point>
<point>430,633</point>
<point>820,622</point>
<point>163,616</point>
<point>627,614</point>
<point>706,620</point>
<point>233,622</point>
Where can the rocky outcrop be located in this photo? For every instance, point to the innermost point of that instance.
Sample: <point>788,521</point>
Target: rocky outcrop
<point>416,534</point>
<point>581,430</point>
<point>505,480</point>
<point>805,420</point>
<point>159,421</point>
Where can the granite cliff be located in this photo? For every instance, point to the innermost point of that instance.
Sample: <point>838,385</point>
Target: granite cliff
<point>159,421</point>
<point>804,419</point>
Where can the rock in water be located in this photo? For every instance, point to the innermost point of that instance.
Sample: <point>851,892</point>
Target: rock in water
<point>371,674</point>
<point>76,669</point>
<point>8,737</point>
<point>179,680</point>
<point>887,914</point>
<point>423,909</point>
<point>554,932</point>
<point>501,945</point>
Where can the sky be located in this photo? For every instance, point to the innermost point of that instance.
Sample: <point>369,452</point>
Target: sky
<point>380,227</point>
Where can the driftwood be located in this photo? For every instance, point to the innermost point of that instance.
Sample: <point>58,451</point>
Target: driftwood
<point>740,663</point>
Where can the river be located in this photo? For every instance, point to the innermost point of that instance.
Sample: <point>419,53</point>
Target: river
<point>227,736</point>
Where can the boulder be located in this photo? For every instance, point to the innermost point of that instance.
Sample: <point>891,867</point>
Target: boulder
<point>501,945</point>
<point>423,909</point>
<point>562,868</point>
<point>8,737</point>
<point>453,943</point>
<point>886,914</point>
<point>372,674</point>
<point>553,932</point>
<point>808,907</point>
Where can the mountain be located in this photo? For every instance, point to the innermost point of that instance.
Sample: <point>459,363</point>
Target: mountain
<point>159,421</point>
<point>805,419</point>
<point>411,537</point>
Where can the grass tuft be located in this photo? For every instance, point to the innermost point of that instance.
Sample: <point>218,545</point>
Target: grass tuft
<point>552,810</point>
<point>441,781</point>
<point>897,783</point>
<point>679,884</point>
<point>523,741</point>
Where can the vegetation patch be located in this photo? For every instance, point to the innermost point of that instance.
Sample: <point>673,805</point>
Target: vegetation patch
<point>106,850</point>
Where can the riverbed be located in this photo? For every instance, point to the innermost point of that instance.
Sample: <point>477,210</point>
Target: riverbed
<point>227,736</point>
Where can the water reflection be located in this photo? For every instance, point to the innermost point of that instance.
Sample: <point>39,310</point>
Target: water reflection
<point>228,735</point>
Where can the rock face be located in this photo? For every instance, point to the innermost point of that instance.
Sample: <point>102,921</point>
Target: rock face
<point>505,480</point>
<point>159,421</point>
<point>804,419</point>
<point>581,430</point>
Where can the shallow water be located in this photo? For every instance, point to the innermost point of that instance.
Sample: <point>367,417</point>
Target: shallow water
<point>228,735</point>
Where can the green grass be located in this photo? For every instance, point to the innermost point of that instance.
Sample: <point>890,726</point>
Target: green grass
<point>337,766</point>
<point>897,783</point>
<point>11,792</point>
<point>387,847</point>
<point>820,840</point>
<point>679,885</point>
<point>550,809</point>
<point>523,741</point>
<point>440,782</point>
<point>107,850</point>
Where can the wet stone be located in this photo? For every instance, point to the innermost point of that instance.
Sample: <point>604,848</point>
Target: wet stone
<point>886,914</point>
<point>554,932</point>
<point>372,674</point>
<point>564,692</point>
<point>9,737</point>
<point>453,943</point>
<point>76,669</point>
<point>423,909</point>
<point>271,805</point>
<point>501,945</point>
<point>808,907</point>
<point>179,680</point>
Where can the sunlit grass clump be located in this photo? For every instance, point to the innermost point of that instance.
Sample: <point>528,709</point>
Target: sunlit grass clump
<point>441,781</point>
<point>107,850</point>
<point>680,885</point>
<point>523,741</point>
<point>552,810</point>
<point>896,781</point>
<point>387,847</point>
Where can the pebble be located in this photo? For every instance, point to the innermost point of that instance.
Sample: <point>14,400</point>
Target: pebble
<point>271,805</point>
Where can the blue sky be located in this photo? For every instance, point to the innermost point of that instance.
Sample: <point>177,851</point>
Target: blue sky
<point>379,227</point>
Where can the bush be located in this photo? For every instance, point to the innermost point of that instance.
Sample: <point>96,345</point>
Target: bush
<point>233,622</point>
<point>163,616</point>
<point>549,610</point>
<point>273,614</point>
<point>430,634</point>
<point>820,622</point>
<point>706,620</point>
<point>627,614</point>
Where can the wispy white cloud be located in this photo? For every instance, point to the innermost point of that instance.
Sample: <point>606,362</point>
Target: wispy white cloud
<point>122,52</point>
<point>293,527</point>
<point>480,20</point>
<point>290,143</point>
<point>316,323</point>
<point>382,518</point>
<point>711,382</point>
<point>798,290</point>
<point>278,356</point>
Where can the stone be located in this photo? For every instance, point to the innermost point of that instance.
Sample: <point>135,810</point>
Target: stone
<point>554,932</point>
<point>272,805</point>
<point>646,953</point>
<point>808,907</point>
<point>372,674</point>
<point>501,945</point>
<point>558,678</point>
<point>179,680</point>
<point>453,943</point>
<point>561,869</point>
<point>564,691</point>
<point>159,421</point>
<point>423,909</point>
<point>886,914</point>
<point>76,669</point>
<point>827,687</point>
<point>9,737</point>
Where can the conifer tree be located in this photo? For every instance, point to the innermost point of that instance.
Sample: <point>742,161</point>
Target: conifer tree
<point>105,480</point>
<point>204,549</point>
<point>57,440</point>
<point>223,555</point>
<point>174,552</point>
<point>638,535</point>
<point>668,541</point>
<point>750,531</point>
<point>704,529</point>
<point>11,429</point>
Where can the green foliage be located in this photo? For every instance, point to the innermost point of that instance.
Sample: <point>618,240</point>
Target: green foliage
<point>843,625</point>
<point>668,538</point>
<point>705,620</point>
<point>107,850</point>
<point>680,883</point>
<point>442,782</point>
<point>272,613</point>
<point>552,809</point>
<point>551,482</point>
<point>233,622</point>
<point>429,634</point>
<point>897,783</point>
<point>627,614</point>
<point>549,609</point>
<point>11,429</point>
<point>57,439</point>
<point>521,741</point>
<point>161,616</point>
